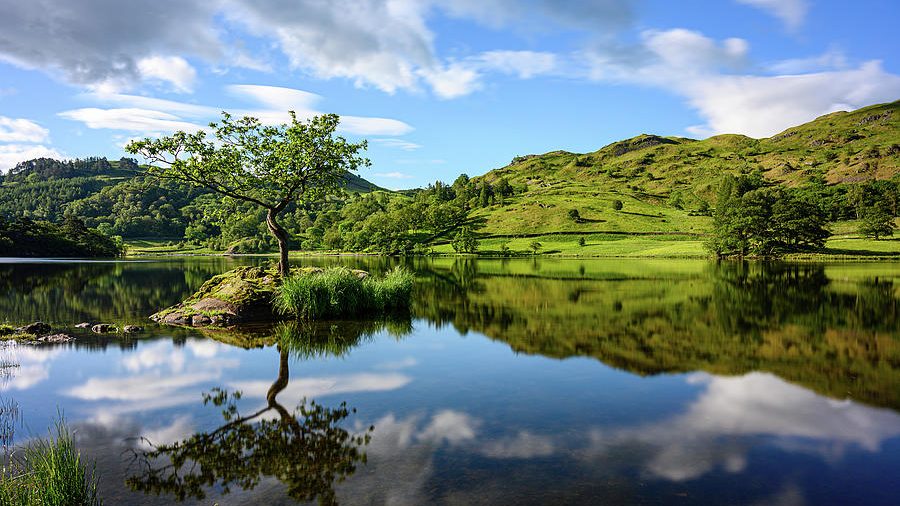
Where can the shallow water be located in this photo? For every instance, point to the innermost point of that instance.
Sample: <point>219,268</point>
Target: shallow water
<point>513,382</point>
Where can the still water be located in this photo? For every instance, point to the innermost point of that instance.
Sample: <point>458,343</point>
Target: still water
<point>513,382</point>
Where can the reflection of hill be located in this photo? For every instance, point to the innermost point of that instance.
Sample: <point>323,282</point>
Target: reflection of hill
<point>780,318</point>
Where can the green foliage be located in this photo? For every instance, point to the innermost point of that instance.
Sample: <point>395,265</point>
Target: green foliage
<point>755,219</point>
<point>581,241</point>
<point>340,293</point>
<point>465,241</point>
<point>26,238</point>
<point>270,166</point>
<point>617,205</point>
<point>49,472</point>
<point>574,215</point>
<point>876,222</point>
<point>535,246</point>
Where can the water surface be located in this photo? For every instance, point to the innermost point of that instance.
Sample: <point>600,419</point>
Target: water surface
<point>512,382</point>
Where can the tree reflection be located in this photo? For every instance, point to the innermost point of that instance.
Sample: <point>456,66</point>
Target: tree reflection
<point>305,448</point>
<point>837,336</point>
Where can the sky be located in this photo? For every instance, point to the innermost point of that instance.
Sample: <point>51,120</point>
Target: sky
<point>437,87</point>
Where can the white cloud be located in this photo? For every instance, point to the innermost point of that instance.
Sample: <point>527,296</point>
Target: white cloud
<point>524,64</point>
<point>597,15</point>
<point>832,59</point>
<point>100,43</point>
<point>374,43</point>
<point>11,154</point>
<point>397,143</point>
<point>153,116</point>
<point>687,51</point>
<point>276,97</point>
<point>393,175</point>
<point>146,121</point>
<point>172,69</point>
<point>452,81</point>
<point>696,67</point>
<point>760,106</point>
<point>21,130</point>
<point>791,12</point>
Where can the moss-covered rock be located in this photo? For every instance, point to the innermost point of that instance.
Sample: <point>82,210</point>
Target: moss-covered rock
<point>242,295</point>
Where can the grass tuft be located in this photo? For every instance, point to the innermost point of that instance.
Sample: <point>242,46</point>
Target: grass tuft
<point>339,292</point>
<point>49,472</point>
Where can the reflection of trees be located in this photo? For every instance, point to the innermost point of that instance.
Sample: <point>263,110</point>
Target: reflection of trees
<point>72,292</point>
<point>839,339</point>
<point>305,449</point>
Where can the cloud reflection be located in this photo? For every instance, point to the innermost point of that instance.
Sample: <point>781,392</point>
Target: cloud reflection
<point>715,430</point>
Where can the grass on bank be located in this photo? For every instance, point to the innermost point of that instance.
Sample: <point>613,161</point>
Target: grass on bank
<point>49,472</point>
<point>339,292</point>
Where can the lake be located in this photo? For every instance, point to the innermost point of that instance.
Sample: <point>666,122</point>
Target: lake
<point>525,381</point>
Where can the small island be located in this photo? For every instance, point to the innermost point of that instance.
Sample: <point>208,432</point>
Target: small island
<point>255,294</point>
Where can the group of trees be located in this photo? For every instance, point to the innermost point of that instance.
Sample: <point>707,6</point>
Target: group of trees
<point>23,237</point>
<point>755,217</point>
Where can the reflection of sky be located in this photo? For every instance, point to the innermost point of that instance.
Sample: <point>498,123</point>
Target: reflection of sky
<point>466,420</point>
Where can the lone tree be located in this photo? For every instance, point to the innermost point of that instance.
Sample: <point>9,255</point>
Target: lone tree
<point>271,166</point>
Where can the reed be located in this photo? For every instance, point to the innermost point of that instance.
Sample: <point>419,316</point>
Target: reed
<point>49,472</point>
<point>340,293</point>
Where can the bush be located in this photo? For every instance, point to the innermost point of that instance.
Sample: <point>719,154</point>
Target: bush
<point>617,205</point>
<point>340,292</point>
<point>49,472</point>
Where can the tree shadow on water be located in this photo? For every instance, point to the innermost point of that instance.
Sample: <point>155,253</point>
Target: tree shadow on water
<point>306,449</point>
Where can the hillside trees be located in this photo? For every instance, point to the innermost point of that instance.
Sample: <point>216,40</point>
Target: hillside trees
<point>270,166</point>
<point>877,222</point>
<point>752,218</point>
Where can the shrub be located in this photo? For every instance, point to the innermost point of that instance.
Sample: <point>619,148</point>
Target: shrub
<point>340,292</point>
<point>50,471</point>
<point>617,205</point>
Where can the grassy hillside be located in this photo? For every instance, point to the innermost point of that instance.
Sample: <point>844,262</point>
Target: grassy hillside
<point>664,181</point>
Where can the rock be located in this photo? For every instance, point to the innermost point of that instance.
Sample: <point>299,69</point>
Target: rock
<point>36,328</point>
<point>130,329</point>
<point>56,338</point>
<point>83,325</point>
<point>237,296</point>
<point>102,328</point>
<point>199,320</point>
<point>361,274</point>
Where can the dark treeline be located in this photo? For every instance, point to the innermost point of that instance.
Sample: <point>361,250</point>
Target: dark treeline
<point>71,238</point>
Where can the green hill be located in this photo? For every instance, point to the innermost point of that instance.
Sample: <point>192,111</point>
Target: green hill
<point>667,184</point>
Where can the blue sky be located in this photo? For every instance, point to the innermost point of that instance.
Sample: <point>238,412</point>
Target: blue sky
<point>438,87</point>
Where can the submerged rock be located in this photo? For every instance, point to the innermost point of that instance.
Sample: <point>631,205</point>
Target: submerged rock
<point>36,328</point>
<point>83,325</point>
<point>56,338</point>
<point>130,329</point>
<point>102,328</point>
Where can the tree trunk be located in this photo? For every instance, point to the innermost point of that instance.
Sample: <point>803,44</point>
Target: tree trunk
<point>281,234</point>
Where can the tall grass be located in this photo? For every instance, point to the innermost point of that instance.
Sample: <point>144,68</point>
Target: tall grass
<point>338,293</point>
<point>49,472</point>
